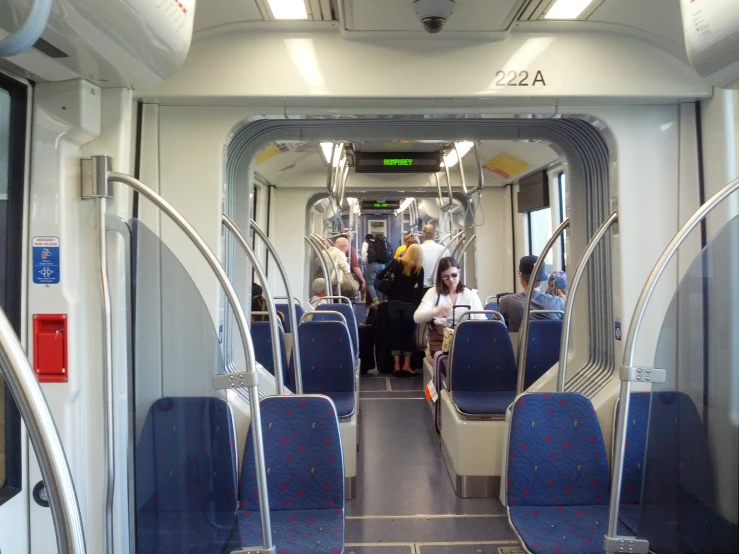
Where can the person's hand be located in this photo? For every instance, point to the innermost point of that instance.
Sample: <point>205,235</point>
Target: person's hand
<point>562,295</point>
<point>362,286</point>
<point>444,311</point>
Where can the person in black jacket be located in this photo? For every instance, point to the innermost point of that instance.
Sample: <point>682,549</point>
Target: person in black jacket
<point>403,298</point>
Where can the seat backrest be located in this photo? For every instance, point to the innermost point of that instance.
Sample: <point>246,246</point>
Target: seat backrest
<point>492,306</point>
<point>285,309</point>
<point>481,357</point>
<point>302,452</point>
<point>262,338</point>
<point>186,459</point>
<point>666,447</point>
<point>556,455</point>
<point>543,348</point>
<point>347,310</point>
<point>327,363</point>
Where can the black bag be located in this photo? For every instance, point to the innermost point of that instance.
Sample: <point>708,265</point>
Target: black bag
<point>371,314</point>
<point>366,347</point>
<point>383,251</point>
<point>383,357</point>
<point>385,285</point>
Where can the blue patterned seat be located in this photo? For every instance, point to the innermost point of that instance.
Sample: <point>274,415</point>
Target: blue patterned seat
<point>186,477</point>
<point>557,468</point>
<point>285,309</point>
<point>305,478</point>
<point>667,492</point>
<point>482,369</point>
<point>543,348</point>
<point>327,362</point>
<point>491,306</point>
<point>347,310</point>
<point>262,339</point>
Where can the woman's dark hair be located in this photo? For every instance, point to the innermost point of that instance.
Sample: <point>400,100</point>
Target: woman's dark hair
<point>369,236</point>
<point>444,264</point>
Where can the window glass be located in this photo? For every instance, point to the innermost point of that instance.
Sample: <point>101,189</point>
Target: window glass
<point>4,154</point>
<point>540,229</point>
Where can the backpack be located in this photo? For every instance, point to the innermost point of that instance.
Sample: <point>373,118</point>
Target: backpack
<point>381,253</point>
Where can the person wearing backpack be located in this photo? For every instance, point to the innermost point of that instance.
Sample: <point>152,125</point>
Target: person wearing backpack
<point>379,254</point>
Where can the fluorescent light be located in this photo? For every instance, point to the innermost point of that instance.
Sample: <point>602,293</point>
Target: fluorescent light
<point>450,160</point>
<point>326,153</point>
<point>567,9</point>
<point>288,9</point>
<point>407,202</point>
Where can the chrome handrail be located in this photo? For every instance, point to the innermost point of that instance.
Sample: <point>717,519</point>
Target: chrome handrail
<point>291,302</point>
<point>523,330</point>
<point>271,308</point>
<point>630,343</point>
<point>44,435</point>
<point>461,170</point>
<point>327,276</point>
<point>569,305</point>
<point>318,239</point>
<point>463,253</point>
<point>241,323</point>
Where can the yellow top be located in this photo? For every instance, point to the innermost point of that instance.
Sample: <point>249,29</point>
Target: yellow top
<point>400,251</point>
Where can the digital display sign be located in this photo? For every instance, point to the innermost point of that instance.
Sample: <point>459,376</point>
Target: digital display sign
<point>397,162</point>
<point>376,205</point>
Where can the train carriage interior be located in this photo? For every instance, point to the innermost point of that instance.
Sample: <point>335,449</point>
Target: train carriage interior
<point>369,276</point>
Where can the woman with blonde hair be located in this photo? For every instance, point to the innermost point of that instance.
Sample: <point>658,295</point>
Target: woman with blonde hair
<point>403,280</point>
<point>409,239</point>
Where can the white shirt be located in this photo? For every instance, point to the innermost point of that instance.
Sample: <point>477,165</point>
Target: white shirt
<point>432,253</point>
<point>339,259</point>
<point>365,250</point>
<point>427,310</point>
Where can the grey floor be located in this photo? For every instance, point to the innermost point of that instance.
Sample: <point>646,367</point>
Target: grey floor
<point>405,501</point>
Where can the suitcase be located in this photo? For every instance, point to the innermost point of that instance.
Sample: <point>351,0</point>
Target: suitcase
<point>366,347</point>
<point>381,326</point>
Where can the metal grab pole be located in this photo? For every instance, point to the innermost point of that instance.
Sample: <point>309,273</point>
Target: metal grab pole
<point>441,255</point>
<point>271,309</point>
<point>523,330</point>
<point>23,385</point>
<point>290,303</point>
<point>461,170</point>
<point>630,345</point>
<point>569,305</point>
<point>322,261</point>
<point>463,253</point>
<point>480,172</point>
<point>241,323</point>
<point>95,186</point>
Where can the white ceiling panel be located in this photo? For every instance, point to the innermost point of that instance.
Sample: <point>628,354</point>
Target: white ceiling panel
<point>210,13</point>
<point>658,17</point>
<point>398,15</point>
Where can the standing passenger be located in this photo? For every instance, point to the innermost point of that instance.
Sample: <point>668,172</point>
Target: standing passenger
<point>432,253</point>
<point>403,298</point>
<point>440,303</point>
<point>379,255</point>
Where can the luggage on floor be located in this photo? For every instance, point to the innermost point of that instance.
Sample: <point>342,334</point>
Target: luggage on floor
<point>371,314</point>
<point>381,326</point>
<point>366,347</point>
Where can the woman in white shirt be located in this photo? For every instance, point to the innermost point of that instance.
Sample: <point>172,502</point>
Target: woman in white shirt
<point>449,296</point>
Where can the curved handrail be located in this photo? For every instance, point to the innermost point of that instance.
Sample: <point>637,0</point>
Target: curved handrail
<point>523,330</point>
<point>448,187</point>
<point>291,302</point>
<point>241,323</point>
<point>329,297</point>
<point>295,299</point>
<point>29,32</point>
<point>441,254</point>
<point>463,253</point>
<point>318,239</point>
<point>569,305</point>
<point>486,312</point>
<point>461,170</point>
<point>631,335</point>
<point>480,172</point>
<point>25,388</point>
<point>326,275</point>
<point>271,309</point>
<point>306,315</point>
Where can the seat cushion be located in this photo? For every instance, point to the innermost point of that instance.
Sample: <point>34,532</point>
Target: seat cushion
<point>344,402</point>
<point>176,533</point>
<point>565,529</point>
<point>483,402</point>
<point>297,532</point>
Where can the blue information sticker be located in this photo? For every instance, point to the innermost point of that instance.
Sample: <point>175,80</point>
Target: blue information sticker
<point>618,329</point>
<point>45,260</point>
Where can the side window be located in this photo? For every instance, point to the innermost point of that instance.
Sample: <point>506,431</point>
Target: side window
<point>13,98</point>
<point>562,214</point>
<point>540,229</point>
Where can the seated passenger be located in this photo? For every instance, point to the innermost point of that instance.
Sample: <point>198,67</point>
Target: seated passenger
<point>511,306</point>
<point>259,304</point>
<point>319,291</point>
<point>558,285</point>
<point>403,298</point>
<point>449,296</point>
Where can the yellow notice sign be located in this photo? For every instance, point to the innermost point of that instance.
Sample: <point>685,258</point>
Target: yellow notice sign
<point>268,153</point>
<point>505,165</point>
